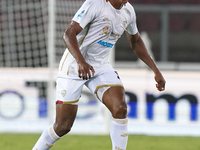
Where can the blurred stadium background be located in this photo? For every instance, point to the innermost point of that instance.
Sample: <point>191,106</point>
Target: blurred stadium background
<point>31,47</point>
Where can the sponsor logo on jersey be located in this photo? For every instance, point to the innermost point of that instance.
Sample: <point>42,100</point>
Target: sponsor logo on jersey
<point>106,44</point>
<point>81,14</point>
<point>115,35</point>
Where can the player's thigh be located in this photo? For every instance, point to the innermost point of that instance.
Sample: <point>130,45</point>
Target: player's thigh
<point>109,89</point>
<point>114,99</point>
<point>68,92</point>
<point>101,83</point>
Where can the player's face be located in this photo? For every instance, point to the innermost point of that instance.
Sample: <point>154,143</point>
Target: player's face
<point>124,1</point>
<point>121,1</point>
<point>118,3</point>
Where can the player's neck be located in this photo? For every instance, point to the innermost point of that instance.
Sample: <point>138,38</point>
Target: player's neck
<point>116,4</point>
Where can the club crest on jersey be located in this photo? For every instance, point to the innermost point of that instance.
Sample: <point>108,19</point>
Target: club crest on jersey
<point>106,30</point>
<point>124,24</point>
<point>81,14</point>
<point>63,93</point>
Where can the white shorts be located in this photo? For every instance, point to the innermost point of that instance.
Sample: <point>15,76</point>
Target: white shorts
<point>68,90</point>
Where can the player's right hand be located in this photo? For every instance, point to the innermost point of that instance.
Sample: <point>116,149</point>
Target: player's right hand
<point>85,71</point>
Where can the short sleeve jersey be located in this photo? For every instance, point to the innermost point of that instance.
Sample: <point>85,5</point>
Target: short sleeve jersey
<point>102,26</point>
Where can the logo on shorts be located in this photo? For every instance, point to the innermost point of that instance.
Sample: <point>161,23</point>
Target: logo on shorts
<point>63,93</point>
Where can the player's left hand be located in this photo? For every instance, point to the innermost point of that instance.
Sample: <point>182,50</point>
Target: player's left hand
<point>160,81</point>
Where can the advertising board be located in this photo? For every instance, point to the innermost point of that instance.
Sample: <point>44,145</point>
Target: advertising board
<point>24,104</point>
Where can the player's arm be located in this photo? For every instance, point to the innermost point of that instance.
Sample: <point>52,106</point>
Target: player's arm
<point>140,50</point>
<point>71,43</point>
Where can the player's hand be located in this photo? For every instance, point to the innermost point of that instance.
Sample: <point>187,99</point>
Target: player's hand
<point>85,71</point>
<point>160,81</point>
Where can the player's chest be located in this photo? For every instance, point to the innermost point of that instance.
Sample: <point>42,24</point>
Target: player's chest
<point>111,24</point>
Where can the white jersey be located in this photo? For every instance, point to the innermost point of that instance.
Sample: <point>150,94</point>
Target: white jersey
<point>102,26</point>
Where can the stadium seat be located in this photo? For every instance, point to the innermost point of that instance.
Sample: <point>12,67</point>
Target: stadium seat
<point>194,24</point>
<point>151,1</point>
<point>176,2</point>
<point>136,1</point>
<point>148,22</point>
<point>145,1</point>
<point>176,22</point>
<point>194,2</point>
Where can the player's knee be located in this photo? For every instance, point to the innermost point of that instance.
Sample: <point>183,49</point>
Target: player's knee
<point>62,129</point>
<point>120,110</point>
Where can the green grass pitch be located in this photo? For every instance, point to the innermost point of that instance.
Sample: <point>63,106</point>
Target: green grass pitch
<point>101,142</point>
